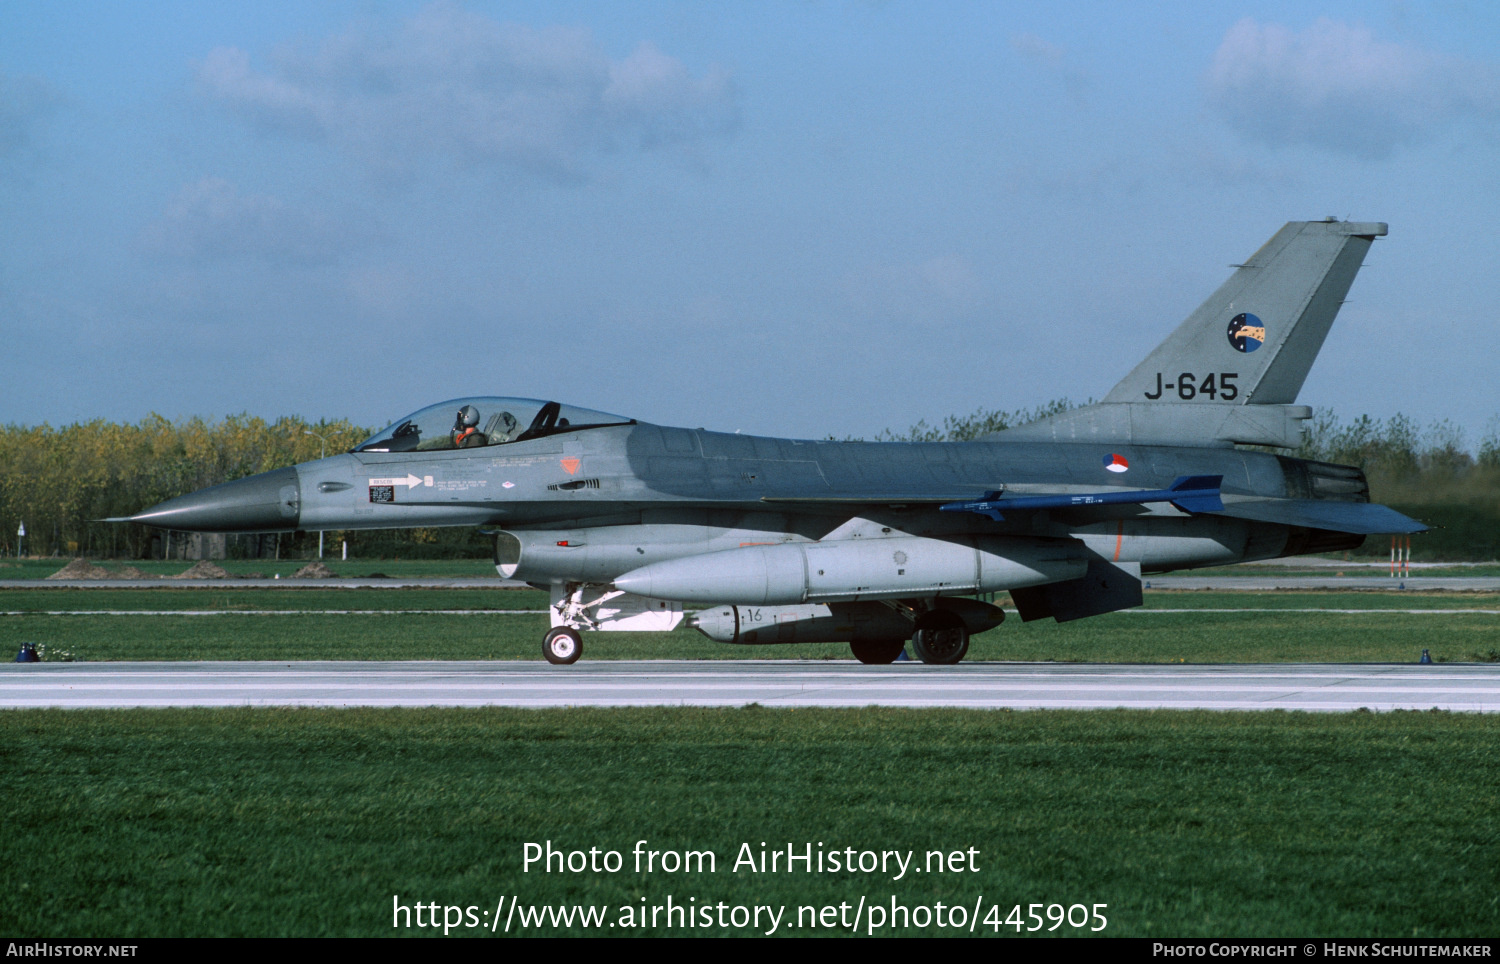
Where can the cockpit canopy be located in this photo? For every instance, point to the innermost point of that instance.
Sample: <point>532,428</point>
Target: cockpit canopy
<point>483,421</point>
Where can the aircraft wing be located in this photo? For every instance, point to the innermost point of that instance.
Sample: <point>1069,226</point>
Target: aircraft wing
<point>1360,518</point>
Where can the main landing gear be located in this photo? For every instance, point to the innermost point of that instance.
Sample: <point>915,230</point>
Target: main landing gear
<point>940,637</point>
<point>877,650</point>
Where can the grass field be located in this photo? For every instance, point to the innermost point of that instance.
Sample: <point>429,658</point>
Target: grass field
<point>1251,627</point>
<point>1290,567</point>
<point>308,822</point>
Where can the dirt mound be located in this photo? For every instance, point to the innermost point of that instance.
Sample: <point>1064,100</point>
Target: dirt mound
<point>203,569</point>
<point>315,570</point>
<point>82,569</point>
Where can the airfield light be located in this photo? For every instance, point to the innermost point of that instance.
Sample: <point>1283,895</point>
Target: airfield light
<point>20,534</point>
<point>322,450</point>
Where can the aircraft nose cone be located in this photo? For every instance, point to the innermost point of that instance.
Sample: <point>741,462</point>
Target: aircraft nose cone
<point>269,502</point>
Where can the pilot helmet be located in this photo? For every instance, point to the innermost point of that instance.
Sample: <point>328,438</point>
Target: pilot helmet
<point>468,417</point>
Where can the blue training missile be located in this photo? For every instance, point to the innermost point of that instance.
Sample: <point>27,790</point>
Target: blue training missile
<point>1190,493</point>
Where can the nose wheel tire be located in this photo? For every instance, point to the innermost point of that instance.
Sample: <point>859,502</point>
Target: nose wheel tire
<point>562,646</point>
<point>941,637</point>
<point>877,650</point>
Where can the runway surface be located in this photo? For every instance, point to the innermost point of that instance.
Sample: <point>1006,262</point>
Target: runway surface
<point>1321,687</point>
<point>1330,582</point>
<point>1227,583</point>
<point>1155,611</point>
<point>355,582</point>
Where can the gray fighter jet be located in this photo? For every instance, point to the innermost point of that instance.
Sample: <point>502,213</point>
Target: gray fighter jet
<point>774,540</point>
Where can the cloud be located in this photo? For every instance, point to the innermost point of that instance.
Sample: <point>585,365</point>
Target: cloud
<point>1336,86</point>
<point>211,221</point>
<point>1030,45</point>
<point>934,291</point>
<point>1054,60</point>
<point>387,289</point>
<point>24,103</point>
<point>1225,168</point>
<point>1118,174</point>
<point>460,86</point>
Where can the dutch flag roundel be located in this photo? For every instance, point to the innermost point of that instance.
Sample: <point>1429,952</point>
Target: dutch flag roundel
<point>1116,462</point>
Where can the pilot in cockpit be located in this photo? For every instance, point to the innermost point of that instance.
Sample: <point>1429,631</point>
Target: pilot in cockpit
<point>466,432</point>
<point>501,428</point>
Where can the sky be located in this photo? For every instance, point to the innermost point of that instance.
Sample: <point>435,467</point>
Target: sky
<point>786,218</point>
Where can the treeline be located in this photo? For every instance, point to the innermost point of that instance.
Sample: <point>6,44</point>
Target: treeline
<point>61,481</point>
<point>1397,449</point>
<point>967,428</point>
<point>1428,473</point>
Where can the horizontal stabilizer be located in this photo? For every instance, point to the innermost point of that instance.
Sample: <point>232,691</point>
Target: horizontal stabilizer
<point>1190,493</point>
<point>1360,518</point>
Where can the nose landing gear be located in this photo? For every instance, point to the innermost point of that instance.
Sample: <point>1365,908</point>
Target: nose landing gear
<point>562,646</point>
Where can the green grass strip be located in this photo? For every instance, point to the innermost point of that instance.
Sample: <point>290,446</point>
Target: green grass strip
<point>307,822</point>
<point>290,599</point>
<point>39,569</point>
<point>1130,637</point>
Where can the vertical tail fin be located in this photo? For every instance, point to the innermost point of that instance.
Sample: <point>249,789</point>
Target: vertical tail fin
<point>1232,370</point>
<point>1264,325</point>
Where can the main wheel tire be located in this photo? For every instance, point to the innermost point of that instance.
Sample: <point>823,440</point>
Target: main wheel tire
<point>941,637</point>
<point>877,650</point>
<point>562,646</point>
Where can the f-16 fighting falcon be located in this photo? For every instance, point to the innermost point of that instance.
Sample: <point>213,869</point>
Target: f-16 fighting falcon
<point>633,526</point>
